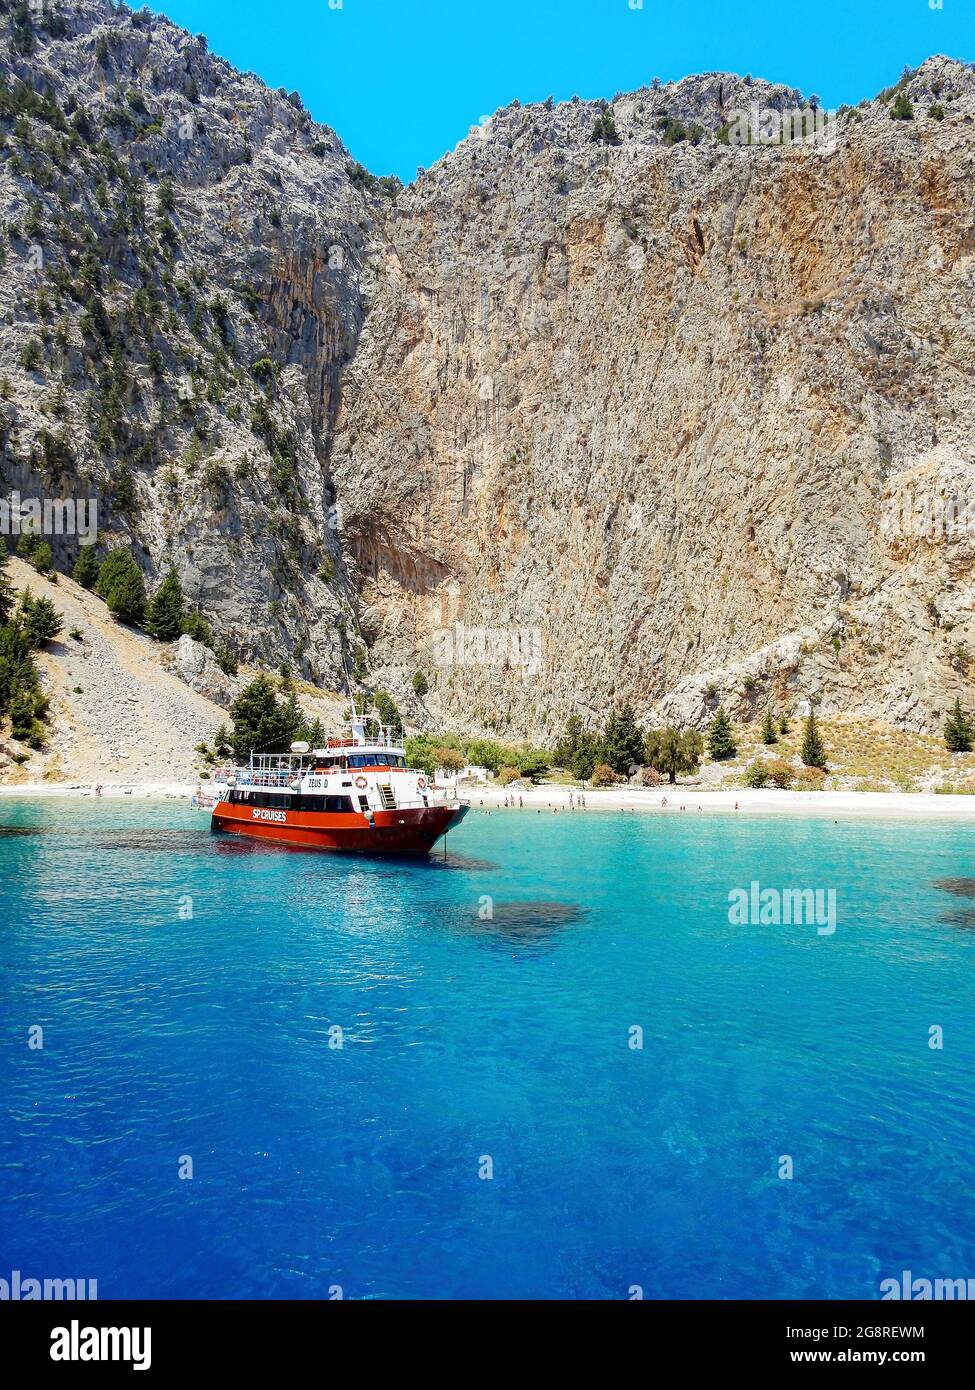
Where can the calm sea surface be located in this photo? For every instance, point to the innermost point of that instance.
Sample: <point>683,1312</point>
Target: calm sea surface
<point>472,1041</point>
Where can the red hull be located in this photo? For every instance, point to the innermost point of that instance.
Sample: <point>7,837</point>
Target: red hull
<point>414,831</point>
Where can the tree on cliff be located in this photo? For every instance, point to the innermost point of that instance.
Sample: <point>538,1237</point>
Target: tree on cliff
<point>6,588</point>
<point>42,621</point>
<point>958,730</point>
<point>769,735</point>
<point>121,585</point>
<point>812,752</point>
<point>261,723</point>
<point>604,131</point>
<point>721,743</point>
<point>388,713</point>
<point>85,570</point>
<point>165,616</point>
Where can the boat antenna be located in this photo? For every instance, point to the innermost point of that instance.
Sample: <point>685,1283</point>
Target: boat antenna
<point>348,686</point>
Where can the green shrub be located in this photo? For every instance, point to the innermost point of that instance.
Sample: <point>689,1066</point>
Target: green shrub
<point>756,774</point>
<point>604,131</point>
<point>196,626</point>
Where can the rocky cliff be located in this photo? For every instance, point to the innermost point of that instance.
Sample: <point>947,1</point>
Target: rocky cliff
<point>178,301</point>
<point>604,406</point>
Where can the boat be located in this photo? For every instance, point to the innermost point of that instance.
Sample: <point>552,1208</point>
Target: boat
<point>355,795</point>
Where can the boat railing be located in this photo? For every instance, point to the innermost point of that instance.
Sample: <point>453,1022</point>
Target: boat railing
<point>265,777</point>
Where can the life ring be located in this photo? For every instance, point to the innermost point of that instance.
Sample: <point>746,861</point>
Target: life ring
<point>421,782</point>
<point>360,782</point>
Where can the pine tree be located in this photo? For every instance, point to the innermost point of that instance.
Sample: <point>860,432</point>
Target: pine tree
<point>784,724</point>
<point>226,658</point>
<point>958,730</point>
<point>121,585</point>
<point>85,570</point>
<point>42,558</point>
<point>293,717</point>
<point>812,751</point>
<point>768,729</point>
<point>6,588</point>
<point>166,612</point>
<point>42,621</point>
<point>721,743</point>
<point>622,743</point>
<point>21,716</point>
<point>388,713</point>
<point>260,723</point>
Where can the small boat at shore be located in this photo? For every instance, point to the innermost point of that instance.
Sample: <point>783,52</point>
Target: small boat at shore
<point>356,795</point>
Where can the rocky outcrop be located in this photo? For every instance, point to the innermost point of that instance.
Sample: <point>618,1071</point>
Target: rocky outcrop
<point>194,664</point>
<point>603,407</point>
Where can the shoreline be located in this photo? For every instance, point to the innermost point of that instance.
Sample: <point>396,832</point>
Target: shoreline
<point>554,798</point>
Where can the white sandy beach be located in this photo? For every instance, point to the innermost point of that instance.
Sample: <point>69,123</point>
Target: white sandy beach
<point>550,798</point>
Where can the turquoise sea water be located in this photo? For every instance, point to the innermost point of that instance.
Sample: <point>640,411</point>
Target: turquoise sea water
<point>467,1038</point>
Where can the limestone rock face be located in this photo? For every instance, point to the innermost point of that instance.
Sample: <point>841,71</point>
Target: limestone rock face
<point>194,663</point>
<point>655,406</point>
<point>565,423</point>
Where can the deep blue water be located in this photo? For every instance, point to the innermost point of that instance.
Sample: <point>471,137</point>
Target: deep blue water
<point>314,1166</point>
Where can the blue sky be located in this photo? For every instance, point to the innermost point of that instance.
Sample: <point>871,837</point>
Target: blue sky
<point>401,81</point>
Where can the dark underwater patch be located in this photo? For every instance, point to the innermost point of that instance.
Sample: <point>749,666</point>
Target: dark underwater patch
<point>525,921</point>
<point>155,840</point>
<point>961,887</point>
<point>462,861</point>
<point>965,917</point>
